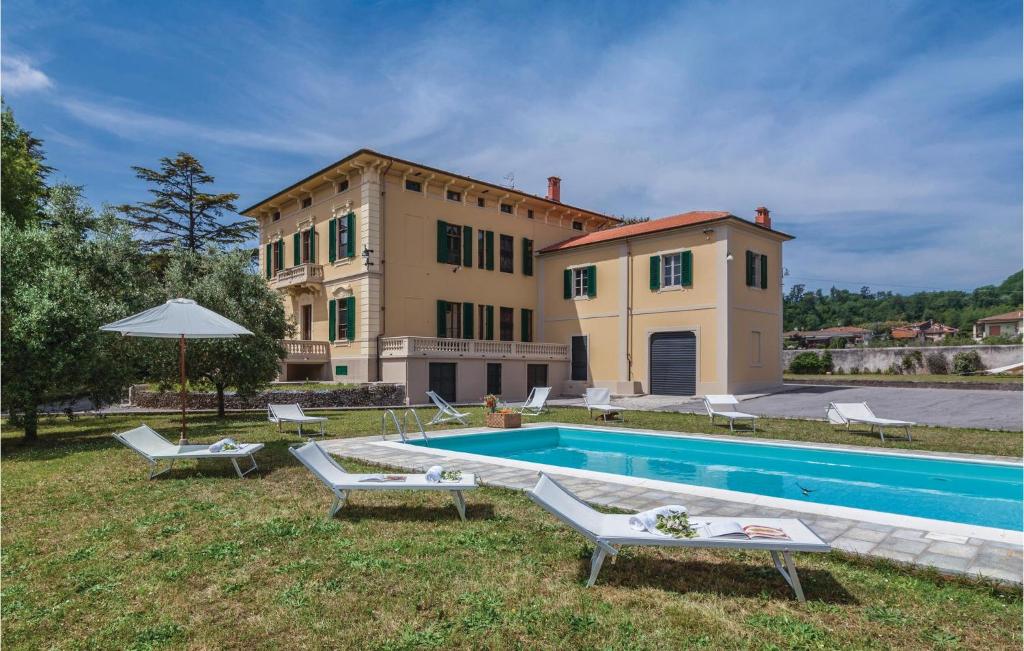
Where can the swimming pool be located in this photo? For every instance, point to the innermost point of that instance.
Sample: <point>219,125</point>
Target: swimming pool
<point>987,494</point>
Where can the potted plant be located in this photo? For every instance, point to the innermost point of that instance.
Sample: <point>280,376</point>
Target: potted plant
<point>502,417</point>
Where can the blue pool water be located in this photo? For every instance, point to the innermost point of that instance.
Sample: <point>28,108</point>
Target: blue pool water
<point>959,491</point>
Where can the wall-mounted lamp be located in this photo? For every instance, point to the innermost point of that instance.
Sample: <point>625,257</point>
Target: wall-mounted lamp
<point>728,256</point>
<point>708,232</point>
<point>366,256</point>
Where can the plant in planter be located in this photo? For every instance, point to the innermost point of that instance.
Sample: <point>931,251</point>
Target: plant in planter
<point>504,418</point>
<point>491,402</point>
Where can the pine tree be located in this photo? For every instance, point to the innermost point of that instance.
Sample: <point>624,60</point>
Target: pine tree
<point>23,192</point>
<point>182,213</point>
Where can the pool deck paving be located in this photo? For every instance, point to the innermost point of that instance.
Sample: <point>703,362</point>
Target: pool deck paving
<point>949,549</point>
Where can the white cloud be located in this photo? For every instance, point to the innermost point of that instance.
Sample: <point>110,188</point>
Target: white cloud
<point>20,76</point>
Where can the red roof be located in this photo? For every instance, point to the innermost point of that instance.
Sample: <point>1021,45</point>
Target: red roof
<point>643,228</point>
<point>1009,316</point>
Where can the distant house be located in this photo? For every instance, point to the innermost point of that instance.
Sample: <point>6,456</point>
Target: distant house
<point>1009,324</point>
<point>822,338</point>
<point>923,331</point>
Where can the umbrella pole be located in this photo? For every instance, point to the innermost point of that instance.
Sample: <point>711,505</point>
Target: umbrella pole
<point>184,393</point>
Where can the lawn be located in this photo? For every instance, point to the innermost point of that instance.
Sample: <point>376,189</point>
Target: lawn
<point>867,377</point>
<point>96,556</point>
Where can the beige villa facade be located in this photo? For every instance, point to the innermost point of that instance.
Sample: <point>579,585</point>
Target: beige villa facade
<point>398,272</point>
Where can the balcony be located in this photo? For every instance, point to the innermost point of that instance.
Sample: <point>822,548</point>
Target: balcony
<point>298,279</point>
<point>306,351</point>
<point>472,349</point>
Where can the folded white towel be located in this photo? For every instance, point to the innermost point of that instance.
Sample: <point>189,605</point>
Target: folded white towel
<point>648,520</point>
<point>434,474</point>
<point>219,445</point>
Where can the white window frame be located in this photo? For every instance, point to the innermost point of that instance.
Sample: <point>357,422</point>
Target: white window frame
<point>677,256</point>
<point>341,321</point>
<point>452,320</point>
<point>341,245</point>
<point>580,283</point>
<point>757,271</point>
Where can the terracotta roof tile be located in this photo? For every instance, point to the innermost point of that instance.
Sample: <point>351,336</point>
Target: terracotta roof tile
<point>643,228</point>
<point>1016,315</point>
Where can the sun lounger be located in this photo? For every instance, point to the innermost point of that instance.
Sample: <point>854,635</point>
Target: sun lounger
<point>848,413</point>
<point>340,482</point>
<point>610,532</point>
<point>154,448</point>
<point>534,405</point>
<point>719,405</point>
<point>599,400</point>
<point>445,412</point>
<point>293,414</point>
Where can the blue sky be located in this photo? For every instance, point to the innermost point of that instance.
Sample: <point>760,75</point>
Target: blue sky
<point>885,135</point>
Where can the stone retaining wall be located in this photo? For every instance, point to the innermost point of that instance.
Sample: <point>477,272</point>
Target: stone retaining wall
<point>363,395</point>
<point>877,360</point>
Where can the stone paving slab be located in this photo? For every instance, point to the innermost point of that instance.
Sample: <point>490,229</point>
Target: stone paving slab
<point>945,552</point>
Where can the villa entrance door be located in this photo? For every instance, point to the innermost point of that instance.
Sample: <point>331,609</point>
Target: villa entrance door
<point>306,323</point>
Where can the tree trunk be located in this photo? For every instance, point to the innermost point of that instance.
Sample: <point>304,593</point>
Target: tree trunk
<point>220,401</point>
<point>31,424</point>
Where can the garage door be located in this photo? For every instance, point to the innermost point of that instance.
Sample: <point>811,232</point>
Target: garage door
<point>674,364</point>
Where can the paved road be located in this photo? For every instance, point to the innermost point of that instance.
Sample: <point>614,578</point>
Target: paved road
<point>949,407</point>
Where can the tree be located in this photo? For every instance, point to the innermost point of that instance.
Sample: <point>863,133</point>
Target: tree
<point>181,213</point>
<point>227,283</point>
<point>63,278</point>
<point>23,172</point>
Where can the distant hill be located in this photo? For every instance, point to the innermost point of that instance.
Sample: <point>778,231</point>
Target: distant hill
<point>803,310</point>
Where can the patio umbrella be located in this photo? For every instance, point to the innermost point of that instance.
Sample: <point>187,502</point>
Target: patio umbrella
<point>181,319</point>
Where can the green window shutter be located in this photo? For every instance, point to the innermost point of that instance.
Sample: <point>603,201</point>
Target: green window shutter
<point>567,284</point>
<point>750,268</point>
<point>655,273</point>
<point>296,245</point>
<point>687,268</point>
<point>467,320</point>
<point>764,272</point>
<point>489,324</point>
<point>467,246</point>
<point>525,325</point>
<point>332,245</point>
<point>350,318</point>
<point>527,257</point>
<point>591,281</point>
<point>440,319</point>
<point>489,250</point>
<point>270,261</point>
<point>280,255</point>
<point>332,319</point>
<point>442,242</point>
<point>350,224</point>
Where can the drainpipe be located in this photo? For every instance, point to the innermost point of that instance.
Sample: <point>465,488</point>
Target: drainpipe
<point>380,258</point>
<point>629,312</point>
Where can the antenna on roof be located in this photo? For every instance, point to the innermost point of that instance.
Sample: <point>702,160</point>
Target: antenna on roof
<point>510,179</point>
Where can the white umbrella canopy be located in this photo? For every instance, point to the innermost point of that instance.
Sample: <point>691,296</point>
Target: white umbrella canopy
<point>181,319</point>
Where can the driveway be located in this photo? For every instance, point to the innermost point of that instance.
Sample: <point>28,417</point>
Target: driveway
<point>947,407</point>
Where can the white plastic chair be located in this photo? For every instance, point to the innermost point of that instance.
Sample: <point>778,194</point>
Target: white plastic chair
<point>292,414</point>
<point>599,400</point>
<point>713,404</point>
<point>445,412</point>
<point>534,405</point>
<point>341,483</point>
<point>610,532</point>
<point>848,413</point>
<point>154,448</point>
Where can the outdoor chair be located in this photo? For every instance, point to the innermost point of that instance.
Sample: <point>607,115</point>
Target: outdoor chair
<point>293,414</point>
<point>719,405</point>
<point>445,412</point>
<point>341,483</point>
<point>599,400</point>
<point>534,405</point>
<point>849,413</point>
<point>610,532</point>
<point>154,448</point>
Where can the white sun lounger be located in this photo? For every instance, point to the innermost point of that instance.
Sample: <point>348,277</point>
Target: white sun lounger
<point>599,400</point>
<point>292,414</point>
<point>610,532</point>
<point>341,482</point>
<point>848,413</point>
<point>534,405</point>
<point>719,405</point>
<point>445,412</point>
<point>154,448</point>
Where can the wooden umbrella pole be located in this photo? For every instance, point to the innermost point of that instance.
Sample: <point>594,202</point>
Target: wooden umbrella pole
<point>184,393</point>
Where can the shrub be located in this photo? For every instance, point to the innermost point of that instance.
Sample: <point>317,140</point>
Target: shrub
<point>999,340</point>
<point>806,364</point>
<point>967,362</point>
<point>911,361</point>
<point>937,364</point>
<point>854,370</point>
<point>837,342</point>
<point>826,363</point>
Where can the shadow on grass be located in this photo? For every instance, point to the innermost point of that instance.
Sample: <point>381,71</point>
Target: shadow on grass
<point>399,513</point>
<point>812,388</point>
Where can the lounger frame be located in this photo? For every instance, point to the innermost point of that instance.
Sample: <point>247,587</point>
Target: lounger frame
<point>713,401</point>
<point>837,417</point>
<point>445,412</point>
<point>274,417</point>
<point>192,452</point>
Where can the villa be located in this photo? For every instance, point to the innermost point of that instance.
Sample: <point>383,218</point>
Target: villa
<point>399,272</point>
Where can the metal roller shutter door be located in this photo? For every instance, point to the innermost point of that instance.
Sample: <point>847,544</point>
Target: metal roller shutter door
<point>674,364</point>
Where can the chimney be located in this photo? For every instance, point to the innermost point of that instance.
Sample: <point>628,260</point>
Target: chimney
<point>763,219</point>
<point>554,188</point>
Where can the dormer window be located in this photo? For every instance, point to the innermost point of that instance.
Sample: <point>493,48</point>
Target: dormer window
<point>454,195</point>
<point>480,203</point>
<point>506,208</point>
<point>342,185</point>
<point>414,186</point>
<point>529,213</point>
<point>577,226</point>
<point>307,202</point>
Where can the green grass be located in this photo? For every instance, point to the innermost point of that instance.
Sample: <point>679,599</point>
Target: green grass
<point>96,556</point>
<point>864,377</point>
